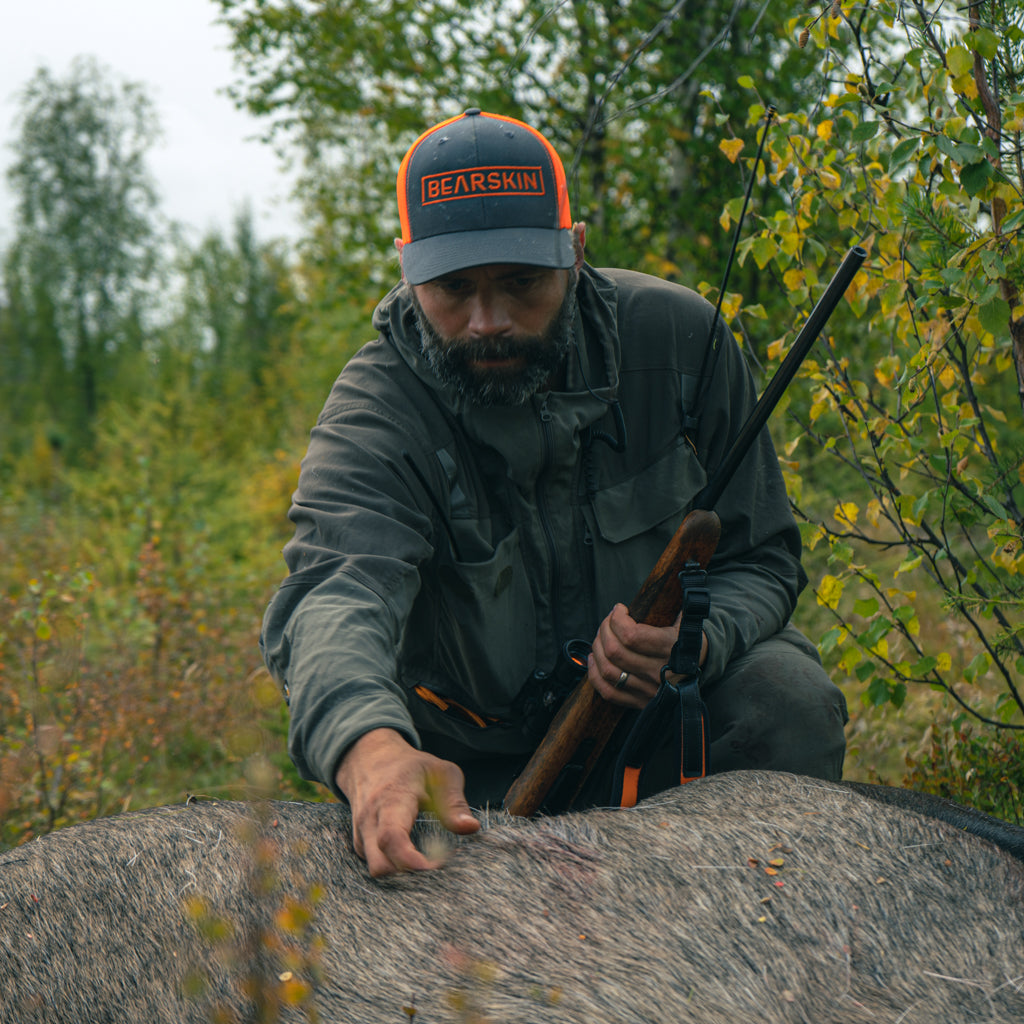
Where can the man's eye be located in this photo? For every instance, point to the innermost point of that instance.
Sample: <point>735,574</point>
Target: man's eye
<point>450,287</point>
<point>525,281</point>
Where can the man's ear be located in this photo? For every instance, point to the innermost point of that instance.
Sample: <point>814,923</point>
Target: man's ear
<point>398,245</point>
<point>579,241</point>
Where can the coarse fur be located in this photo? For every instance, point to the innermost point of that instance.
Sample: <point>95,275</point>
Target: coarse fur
<point>745,897</point>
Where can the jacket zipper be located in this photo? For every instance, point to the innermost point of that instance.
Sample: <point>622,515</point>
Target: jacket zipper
<point>545,522</point>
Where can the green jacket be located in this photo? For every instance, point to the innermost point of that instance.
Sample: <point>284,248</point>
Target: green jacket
<point>453,547</point>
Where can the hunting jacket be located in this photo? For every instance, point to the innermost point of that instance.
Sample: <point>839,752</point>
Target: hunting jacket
<point>444,551</point>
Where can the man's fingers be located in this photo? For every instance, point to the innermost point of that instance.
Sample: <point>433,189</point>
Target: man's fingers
<point>393,851</point>
<point>386,840</point>
<point>446,788</point>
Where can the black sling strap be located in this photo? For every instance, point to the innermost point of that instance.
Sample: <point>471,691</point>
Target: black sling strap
<point>676,710</point>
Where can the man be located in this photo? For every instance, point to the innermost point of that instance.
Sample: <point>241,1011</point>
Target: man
<point>491,475</point>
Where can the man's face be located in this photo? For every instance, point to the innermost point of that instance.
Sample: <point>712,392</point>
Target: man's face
<point>497,332</point>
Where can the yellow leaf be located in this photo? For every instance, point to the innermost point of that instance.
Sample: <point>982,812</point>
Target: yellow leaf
<point>829,178</point>
<point>790,243</point>
<point>846,512</point>
<point>824,130</point>
<point>944,662</point>
<point>966,86</point>
<point>830,591</point>
<point>731,148</point>
<point>874,511</point>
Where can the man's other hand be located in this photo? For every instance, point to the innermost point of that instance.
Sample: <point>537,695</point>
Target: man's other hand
<point>628,656</point>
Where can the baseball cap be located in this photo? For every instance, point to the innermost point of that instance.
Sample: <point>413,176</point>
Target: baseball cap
<point>482,188</point>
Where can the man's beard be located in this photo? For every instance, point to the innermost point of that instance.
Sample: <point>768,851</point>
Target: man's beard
<point>540,356</point>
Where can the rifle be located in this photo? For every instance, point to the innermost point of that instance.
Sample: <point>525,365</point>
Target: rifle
<point>579,732</point>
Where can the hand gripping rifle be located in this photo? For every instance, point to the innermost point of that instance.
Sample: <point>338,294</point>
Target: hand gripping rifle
<point>583,725</point>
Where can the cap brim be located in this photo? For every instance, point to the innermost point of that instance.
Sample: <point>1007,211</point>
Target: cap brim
<point>442,254</point>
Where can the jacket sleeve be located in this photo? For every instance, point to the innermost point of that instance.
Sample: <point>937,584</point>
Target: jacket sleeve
<point>331,634</point>
<point>755,576</point>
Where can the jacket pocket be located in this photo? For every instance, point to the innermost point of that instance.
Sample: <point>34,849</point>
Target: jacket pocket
<point>486,628</point>
<point>635,519</point>
<point>655,494</point>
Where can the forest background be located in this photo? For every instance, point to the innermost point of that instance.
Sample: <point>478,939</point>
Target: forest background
<point>156,396</point>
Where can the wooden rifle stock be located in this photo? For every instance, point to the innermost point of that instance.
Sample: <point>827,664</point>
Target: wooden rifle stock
<point>586,720</point>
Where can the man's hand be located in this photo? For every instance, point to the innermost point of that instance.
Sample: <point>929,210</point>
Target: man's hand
<point>387,782</point>
<point>624,645</point>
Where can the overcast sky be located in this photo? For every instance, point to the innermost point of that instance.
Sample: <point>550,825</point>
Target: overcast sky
<point>207,162</point>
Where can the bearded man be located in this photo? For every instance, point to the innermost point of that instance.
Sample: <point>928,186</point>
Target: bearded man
<point>494,475</point>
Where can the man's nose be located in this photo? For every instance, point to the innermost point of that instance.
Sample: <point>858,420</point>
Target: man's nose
<point>488,315</point>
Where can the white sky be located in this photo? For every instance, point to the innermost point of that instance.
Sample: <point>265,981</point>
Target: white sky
<point>207,162</point>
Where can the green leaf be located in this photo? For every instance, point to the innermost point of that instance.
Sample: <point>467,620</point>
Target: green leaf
<point>984,42</point>
<point>974,177</point>
<point>745,82</point>
<point>924,666</point>
<point>978,665</point>
<point>864,131</point>
<point>764,248</point>
<point>994,264</point>
<point>902,154</point>
<point>1015,220</point>
<point>878,629</point>
<point>995,316</point>
<point>878,692</point>
<point>830,640</point>
<point>866,607</point>
<point>996,508</point>
<point>959,60</point>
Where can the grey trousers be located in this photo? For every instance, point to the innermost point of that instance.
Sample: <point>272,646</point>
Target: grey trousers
<point>774,709</point>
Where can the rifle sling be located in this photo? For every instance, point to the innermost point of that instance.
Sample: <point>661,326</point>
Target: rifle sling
<point>676,710</point>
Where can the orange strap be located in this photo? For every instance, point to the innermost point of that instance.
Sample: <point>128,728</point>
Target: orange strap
<point>630,787</point>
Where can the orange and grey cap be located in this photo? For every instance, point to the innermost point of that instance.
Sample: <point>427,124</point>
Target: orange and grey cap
<point>481,188</point>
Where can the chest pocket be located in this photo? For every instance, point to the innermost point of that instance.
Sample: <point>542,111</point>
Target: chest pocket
<point>486,626</point>
<point>635,519</point>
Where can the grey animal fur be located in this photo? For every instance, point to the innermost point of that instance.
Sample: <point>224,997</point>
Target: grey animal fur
<point>665,912</point>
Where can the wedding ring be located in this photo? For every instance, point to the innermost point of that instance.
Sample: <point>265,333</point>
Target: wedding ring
<point>621,682</point>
